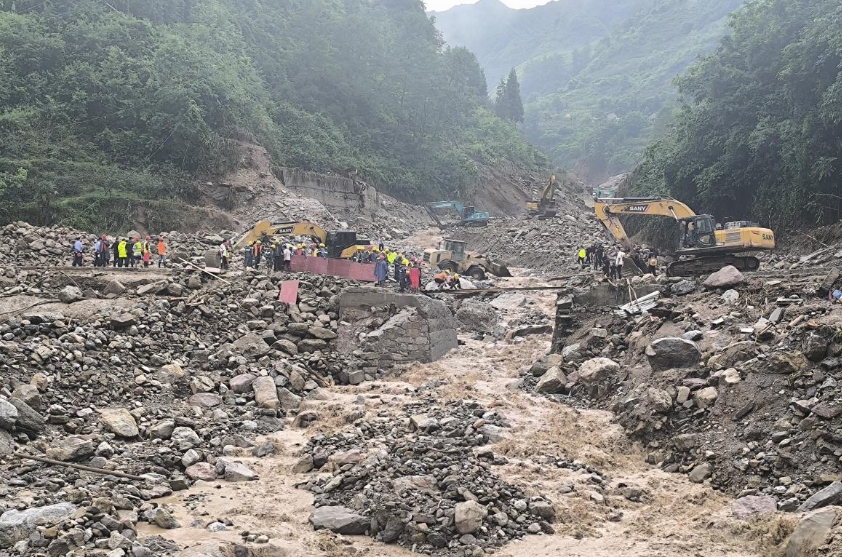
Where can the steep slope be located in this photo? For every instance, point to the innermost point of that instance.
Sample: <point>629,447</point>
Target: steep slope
<point>110,107</point>
<point>596,77</point>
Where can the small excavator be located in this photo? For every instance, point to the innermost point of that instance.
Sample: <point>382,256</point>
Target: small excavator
<point>703,246</point>
<point>546,207</point>
<point>468,215</point>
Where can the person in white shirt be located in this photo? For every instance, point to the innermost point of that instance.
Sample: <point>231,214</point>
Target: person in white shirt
<point>621,257</point>
<point>287,258</point>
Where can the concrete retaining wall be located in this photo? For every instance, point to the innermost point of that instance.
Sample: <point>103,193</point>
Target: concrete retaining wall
<point>384,328</point>
<point>334,192</point>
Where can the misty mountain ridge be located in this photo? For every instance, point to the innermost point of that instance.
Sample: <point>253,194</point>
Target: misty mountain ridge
<point>596,76</point>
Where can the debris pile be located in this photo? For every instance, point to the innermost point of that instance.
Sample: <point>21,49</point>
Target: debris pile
<point>169,388</point>
<point>735,384</point>
<point>426,483</point>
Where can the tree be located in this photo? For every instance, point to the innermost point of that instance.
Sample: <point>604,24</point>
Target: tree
<point>508,104</point>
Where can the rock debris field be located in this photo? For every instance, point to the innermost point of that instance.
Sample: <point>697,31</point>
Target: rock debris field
<point>171,413</point>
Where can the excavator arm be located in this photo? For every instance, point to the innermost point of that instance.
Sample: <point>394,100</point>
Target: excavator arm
<point>302,228</point>
<point>608,211</point>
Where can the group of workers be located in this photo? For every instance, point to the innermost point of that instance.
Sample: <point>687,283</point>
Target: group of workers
<point>612,265</point>
<point>407,271</point>
<point>122,252</point>
<point>278,255</point>
<point>448,281</point>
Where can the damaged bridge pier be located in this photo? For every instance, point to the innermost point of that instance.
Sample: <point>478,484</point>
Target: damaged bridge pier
<point>383,329</point>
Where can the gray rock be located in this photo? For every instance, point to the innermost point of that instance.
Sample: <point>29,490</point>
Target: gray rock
<point>811,532</point>
<point>340,520</point>
<point>683,288</point>
<point>72,448</point>
<point>670,353</point>
<point>469,516</point>
<point>727,277</point>
<point>201,471</point>
<point>241,384</point>
<point>289,401</point>
<point>658,400</point>
<point>7,445</point>
<point>8,415</point>
<point>322,333</point>
<point>751,505</point>
<point>164,519</point>
<point>477,317</point>
<point>730,297</point>
<point>304,465</point>
<point>29,420</point>
<point>205,400</point>
<point>815,347</point>
<point>543,509</point>
<point>162,430</point>
<point>693,336</point>
<point>185,437</point>
<point>114,287</point>
<point>123,321</point>
<point>700,473</point>
<point>29,394</point>
<point>265,393</point>
<point>119,421</point>
<point>597,370</point>
<point>705,398</point>
<point>830,495</point>
<point>18,525</point>
<point>553,381</point>
<point>236,472</point>
<point>70,294</point>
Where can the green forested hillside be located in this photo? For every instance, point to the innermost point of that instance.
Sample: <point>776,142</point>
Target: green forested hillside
<point>596,76</point>
<point>105,106</point>
<point>760,133</point>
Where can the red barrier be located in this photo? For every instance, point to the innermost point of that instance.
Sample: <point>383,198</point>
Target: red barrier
<point>363,272</point>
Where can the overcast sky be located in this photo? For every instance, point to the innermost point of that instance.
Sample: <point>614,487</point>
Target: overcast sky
<point>439,5</point>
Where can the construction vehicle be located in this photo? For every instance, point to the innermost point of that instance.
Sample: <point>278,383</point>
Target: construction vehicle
<point>703,247</point>
<point>340,244</point>
<point>455,259</point>
<point>546,207</point>
<point>468,215</point>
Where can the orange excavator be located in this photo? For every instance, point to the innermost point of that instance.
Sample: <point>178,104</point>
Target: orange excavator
<point>703,246</point>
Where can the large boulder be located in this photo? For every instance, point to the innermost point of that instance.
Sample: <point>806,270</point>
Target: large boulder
<point>18,525</point>
<point>241,384</point>
<point>597,370</point>
<point>670,353</point>
<point>811,532</point>
<point>70,294</point>
<point>469,516</point>
<point>236,472</point>
<point>477,317</point>
<point>8,415</point>
<point>73,448</point>
<point>830,495</point>
<point>29,420</point>
<point>727,277</point>
<point>119,421</point>
<point>339,520</point>
<point>553,381</point>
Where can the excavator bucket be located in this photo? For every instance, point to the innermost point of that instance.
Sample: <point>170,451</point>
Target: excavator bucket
<point>498,269</point>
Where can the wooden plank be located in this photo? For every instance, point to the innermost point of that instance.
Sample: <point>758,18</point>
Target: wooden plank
<point>289,292</point>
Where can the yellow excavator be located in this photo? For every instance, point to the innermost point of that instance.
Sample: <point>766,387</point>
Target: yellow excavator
<point>340,244</point>
<point>546,207</point>
<point>703,246</point>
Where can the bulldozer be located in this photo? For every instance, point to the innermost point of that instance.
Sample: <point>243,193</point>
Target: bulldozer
<point>702,245</point>
<point>546,207</point>
<point>455,258</point>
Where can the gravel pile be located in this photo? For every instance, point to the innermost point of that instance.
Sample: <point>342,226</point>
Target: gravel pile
<point>426,482</point>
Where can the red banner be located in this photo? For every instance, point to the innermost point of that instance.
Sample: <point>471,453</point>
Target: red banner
<point>363,272</point>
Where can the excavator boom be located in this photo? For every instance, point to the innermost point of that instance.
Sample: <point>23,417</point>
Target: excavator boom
<point>301,228</point>
<point>704,247</point>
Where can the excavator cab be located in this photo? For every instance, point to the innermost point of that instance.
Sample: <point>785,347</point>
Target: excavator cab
<point>698,231</point>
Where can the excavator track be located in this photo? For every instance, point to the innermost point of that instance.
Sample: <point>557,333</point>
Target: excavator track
<point>706,265</point>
